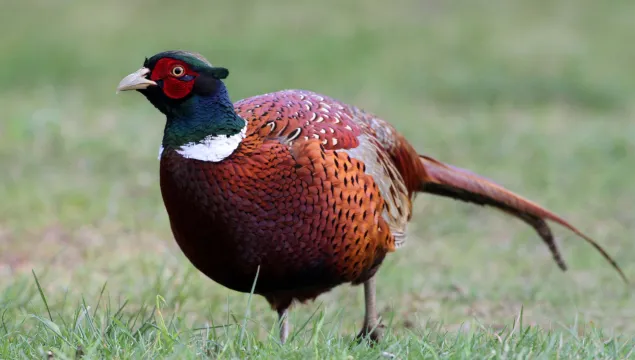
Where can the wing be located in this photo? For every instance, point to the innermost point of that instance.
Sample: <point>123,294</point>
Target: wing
<point>294,117</point>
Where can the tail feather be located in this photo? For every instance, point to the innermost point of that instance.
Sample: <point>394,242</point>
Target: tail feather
<point>450,181</point>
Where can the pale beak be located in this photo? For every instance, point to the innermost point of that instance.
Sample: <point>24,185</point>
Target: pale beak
<point>135,81</point>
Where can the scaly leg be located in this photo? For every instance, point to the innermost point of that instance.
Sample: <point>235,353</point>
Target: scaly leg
<point>283,321</point>
<point>371,327</point>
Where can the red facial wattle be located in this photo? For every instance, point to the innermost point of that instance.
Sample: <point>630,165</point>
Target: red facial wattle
<point>177,77</point>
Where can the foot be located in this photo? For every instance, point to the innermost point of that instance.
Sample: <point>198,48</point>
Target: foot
<point>375,334</point>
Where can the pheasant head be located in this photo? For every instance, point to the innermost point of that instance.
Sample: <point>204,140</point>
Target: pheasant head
<point>200,119</point>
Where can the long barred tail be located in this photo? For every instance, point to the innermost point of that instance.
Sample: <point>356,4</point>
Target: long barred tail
<point>450,181</point>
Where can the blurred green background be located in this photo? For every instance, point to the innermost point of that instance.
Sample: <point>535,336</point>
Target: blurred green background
<point>538,95</point>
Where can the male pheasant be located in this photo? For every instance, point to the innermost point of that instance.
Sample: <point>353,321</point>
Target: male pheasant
<point>304,190</point>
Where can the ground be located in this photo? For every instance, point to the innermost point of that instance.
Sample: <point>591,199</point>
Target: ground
<point>537,95</point>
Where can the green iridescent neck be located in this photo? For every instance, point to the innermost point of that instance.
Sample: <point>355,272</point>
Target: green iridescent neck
<point>200,117</point>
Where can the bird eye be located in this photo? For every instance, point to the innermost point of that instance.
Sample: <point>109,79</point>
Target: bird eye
<point>178,71</point>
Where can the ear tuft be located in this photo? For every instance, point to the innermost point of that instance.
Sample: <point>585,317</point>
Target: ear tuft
<point>218,72</point>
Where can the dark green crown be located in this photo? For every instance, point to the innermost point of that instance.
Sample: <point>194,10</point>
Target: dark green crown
<point>196,61</point>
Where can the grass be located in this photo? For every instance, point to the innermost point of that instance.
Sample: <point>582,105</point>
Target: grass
<point>537,95</point>
<point>149,334</point>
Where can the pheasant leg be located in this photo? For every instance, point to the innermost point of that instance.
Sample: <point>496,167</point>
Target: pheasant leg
<point>371,328</point>
<point>283,321</point>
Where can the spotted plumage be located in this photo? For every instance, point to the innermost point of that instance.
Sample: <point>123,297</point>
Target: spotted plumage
<point>303,189</point>
<point>302,116</point>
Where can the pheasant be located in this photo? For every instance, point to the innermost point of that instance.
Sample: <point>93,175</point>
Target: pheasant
<point>292,192</point>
